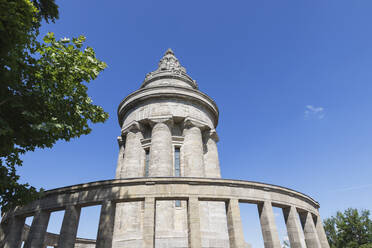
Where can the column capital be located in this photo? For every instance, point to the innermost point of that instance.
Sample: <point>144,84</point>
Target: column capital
<point>120,141</point>
<point>189,122</point>
<point>134,126</point>
<point>211,134</point>
<point>168,120</point>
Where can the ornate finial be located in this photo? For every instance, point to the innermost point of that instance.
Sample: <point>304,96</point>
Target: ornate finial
<point>169,51</point>
<point>169,66</point>
<point>169,62</point>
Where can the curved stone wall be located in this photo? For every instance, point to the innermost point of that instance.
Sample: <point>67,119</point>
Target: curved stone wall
<point>151,190</point>
<point>192,101</point>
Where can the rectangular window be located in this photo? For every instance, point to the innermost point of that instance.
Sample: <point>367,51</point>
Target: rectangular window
<point>147,159</point>
<point>177,168</point>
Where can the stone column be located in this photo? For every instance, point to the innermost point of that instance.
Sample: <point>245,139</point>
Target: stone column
<point>311,236</point>
<point>69,227</point>
<point>127,217</point>
<point>161,149</point>
<point>106,225</point>
<point>293,227</point>
<point>194,222</point>
<point>38,229</point>
<point>149,222</point>
<point>120,162</point>
<point>193,149</point>
<point>321,232</point>
<point>236,235</point>
<point>132,165</point>
<point>268,227</point>
<point>13,237</point>
<point>211,161</point>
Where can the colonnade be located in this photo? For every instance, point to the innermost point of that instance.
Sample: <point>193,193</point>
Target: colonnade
<point>312,227</point>
<point>199,149</point>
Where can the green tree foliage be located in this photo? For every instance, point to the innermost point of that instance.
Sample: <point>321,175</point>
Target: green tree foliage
<point>351,229</point>
<point>43,91</point>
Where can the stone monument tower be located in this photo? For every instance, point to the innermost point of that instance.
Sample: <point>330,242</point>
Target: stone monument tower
<point>167,192</point>
<point>168,130</point>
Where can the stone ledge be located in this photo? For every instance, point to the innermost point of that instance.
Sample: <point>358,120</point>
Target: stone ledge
<point>136,189</point>
<point>167,91</point>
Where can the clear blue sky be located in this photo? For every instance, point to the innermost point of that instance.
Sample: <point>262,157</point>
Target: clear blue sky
<point>292,80</point>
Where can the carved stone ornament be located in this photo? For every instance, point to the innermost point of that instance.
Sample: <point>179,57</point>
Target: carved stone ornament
<point>132,127</point>
<point>170,62</point>
<point>169,67</point>
<point>191,122</point>
<point>120,141</point>
<point>161,119</point>
<point>213,135</point>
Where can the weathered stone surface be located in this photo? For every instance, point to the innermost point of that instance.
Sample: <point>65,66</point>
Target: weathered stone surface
<point>293,227</point>
<point>268,226</point>
<point>131,164</point>
<point>234,224</point>
<point>321,232</point>
<point>194,223</point>
<point>128,224</point>
<point>211,160</point>
<point>11,238</point>
<point>161,150</point>
<point>149,223</point>
<point>193,152</point>
<point>106,225</point>
<point>69,227</point>
<point>38,229</point>
<point>311,235</point>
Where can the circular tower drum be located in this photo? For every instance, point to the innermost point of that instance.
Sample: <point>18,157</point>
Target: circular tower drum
<point>168,130</point>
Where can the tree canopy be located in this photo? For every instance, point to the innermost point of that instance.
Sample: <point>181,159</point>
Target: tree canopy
<point>351,229</point>
<point>43,90</point>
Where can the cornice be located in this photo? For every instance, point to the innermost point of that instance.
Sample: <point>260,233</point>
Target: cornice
<point>143,94</point>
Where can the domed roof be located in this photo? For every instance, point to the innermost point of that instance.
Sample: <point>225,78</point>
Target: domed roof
<point>169,72</point>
